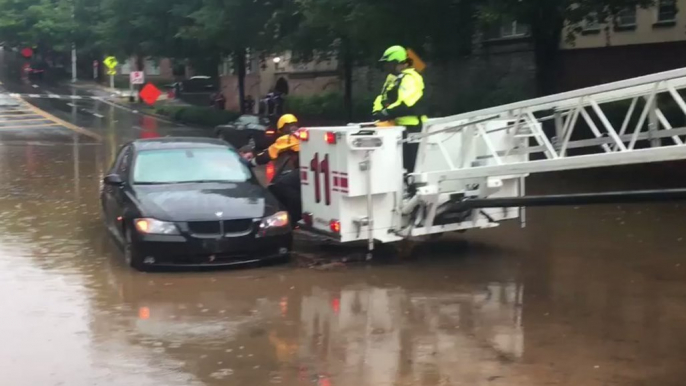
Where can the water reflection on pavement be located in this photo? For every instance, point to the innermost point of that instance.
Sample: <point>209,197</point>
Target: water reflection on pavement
<point>584,296</point>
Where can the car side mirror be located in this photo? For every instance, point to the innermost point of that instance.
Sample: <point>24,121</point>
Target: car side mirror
<point>113,180</point>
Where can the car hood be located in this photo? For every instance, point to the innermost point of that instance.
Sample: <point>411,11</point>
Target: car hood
<point>205,201</point>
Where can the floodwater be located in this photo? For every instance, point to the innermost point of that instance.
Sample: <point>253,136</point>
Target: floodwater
<point>582,296</point>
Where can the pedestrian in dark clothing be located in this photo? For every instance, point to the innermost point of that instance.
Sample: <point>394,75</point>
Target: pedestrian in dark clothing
<point>219,101</point>
<point>249,105</point>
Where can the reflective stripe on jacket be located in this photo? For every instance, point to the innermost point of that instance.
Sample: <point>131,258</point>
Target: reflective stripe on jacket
<point>403,98</point>
<point>380,101</point>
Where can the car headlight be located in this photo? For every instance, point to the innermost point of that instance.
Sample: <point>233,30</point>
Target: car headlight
<point>155,227</point>
<point>277,223</point>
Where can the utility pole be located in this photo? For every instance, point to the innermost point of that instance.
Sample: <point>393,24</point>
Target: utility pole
<point>73,44</point>
<point>73,62</point>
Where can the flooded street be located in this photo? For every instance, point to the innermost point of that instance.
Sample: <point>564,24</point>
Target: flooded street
<point>582,296</point>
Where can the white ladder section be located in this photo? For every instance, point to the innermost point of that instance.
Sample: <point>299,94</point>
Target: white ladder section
<point>645,134</point>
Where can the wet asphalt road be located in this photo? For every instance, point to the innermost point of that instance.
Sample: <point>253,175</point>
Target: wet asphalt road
<point>582,296</point>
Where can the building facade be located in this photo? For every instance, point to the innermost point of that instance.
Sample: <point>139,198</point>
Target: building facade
<point>636,42</point>
<point>280,72</point>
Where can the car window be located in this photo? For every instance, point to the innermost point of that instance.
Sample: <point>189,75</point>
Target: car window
<point>246,119</point>
<point>124,162</point>
<point>189,165</point>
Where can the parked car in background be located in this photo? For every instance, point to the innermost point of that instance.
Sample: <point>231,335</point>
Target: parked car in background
<point>253,130</point>
<point>36,71</point>
<point>191,202</point>
<point>199,83</point>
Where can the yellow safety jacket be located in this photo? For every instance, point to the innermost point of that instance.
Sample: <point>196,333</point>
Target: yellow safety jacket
<point>285,144</point>
<point>402,97</point>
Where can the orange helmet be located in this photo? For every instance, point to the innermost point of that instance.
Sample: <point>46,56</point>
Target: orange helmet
<point>285,120</point>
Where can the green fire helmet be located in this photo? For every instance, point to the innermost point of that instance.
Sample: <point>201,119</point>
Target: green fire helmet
<point>394,54</point>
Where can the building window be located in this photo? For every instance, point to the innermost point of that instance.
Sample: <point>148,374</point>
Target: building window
<point>125,68</point>
<point>591,23</point>
<point>626,17</point>
<point>226,66</point>
<point>151,67</point>
<point>666,10</point>
<point>512,29</point>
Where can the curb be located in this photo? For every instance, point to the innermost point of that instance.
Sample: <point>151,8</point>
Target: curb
<point>156,116</point>
<point>125,107</point>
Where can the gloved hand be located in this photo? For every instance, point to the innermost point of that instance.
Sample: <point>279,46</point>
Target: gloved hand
<point>381,115</point>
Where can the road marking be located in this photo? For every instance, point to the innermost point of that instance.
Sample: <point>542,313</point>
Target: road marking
<point>16,111</point>
<point>29,126</point>
<point>71,105</point>
<point>17,115</point>
<point>34,85</point>
<point>66,124</point>
<point>99,115</point>
<point>23,120</point>
<point>52,96</point>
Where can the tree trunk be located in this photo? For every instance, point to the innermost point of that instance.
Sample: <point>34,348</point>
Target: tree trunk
<point>239,57</point>
<point>348,80</point>
<point>140,64</point>
<point>546,70</point>
<point>546,30</point>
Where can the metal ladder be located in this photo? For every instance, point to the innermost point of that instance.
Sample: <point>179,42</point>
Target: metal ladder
<point>644,120</point>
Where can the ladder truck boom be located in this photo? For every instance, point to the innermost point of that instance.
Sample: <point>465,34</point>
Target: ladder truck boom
<point>471,168</point>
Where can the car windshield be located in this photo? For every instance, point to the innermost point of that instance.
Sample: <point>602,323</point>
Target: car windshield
<point>171,166</point>
<point>246,119</point>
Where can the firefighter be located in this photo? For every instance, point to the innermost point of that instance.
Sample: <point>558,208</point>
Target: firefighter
<point>401,100</point>
<point>284,152</point>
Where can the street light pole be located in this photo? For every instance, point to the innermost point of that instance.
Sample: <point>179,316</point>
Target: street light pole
<point>73,62</point>
<point>73,44</point>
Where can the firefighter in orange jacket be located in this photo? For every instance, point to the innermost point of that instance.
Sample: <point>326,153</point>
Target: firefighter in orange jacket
<point>286,147</point>
<point>284,151</point>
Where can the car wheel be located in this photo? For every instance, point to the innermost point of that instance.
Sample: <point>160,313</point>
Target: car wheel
<point>132,257</point>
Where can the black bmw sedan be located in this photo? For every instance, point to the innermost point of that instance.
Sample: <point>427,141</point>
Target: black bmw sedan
<point>191,202</point>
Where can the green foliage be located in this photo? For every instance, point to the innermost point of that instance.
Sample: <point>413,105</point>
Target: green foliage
<point>43,23</point>
<point>354,31</point>
<point>327,107</point>
<point>437,29</point>
<point>197,116</point>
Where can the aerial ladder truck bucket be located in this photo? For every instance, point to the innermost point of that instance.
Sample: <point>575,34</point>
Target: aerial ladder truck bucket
<point>471,168</point>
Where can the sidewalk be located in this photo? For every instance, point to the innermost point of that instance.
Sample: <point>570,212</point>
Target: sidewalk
<point>100,90</point>
<point>123,99</point>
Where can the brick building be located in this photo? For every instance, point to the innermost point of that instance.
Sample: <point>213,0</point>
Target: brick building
<point>282,73</point>
<point>637,42</point>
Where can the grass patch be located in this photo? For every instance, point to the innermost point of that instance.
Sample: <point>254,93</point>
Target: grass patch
<point>197,115</point>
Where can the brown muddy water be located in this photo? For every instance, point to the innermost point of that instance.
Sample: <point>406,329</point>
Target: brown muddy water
<point>582,296</point>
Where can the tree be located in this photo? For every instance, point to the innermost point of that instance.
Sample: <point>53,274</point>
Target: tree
<point>37,23</point>
<point>548,19</point>
<point>231,27</point>
<point>140,28</point>
<point>358,31</point>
